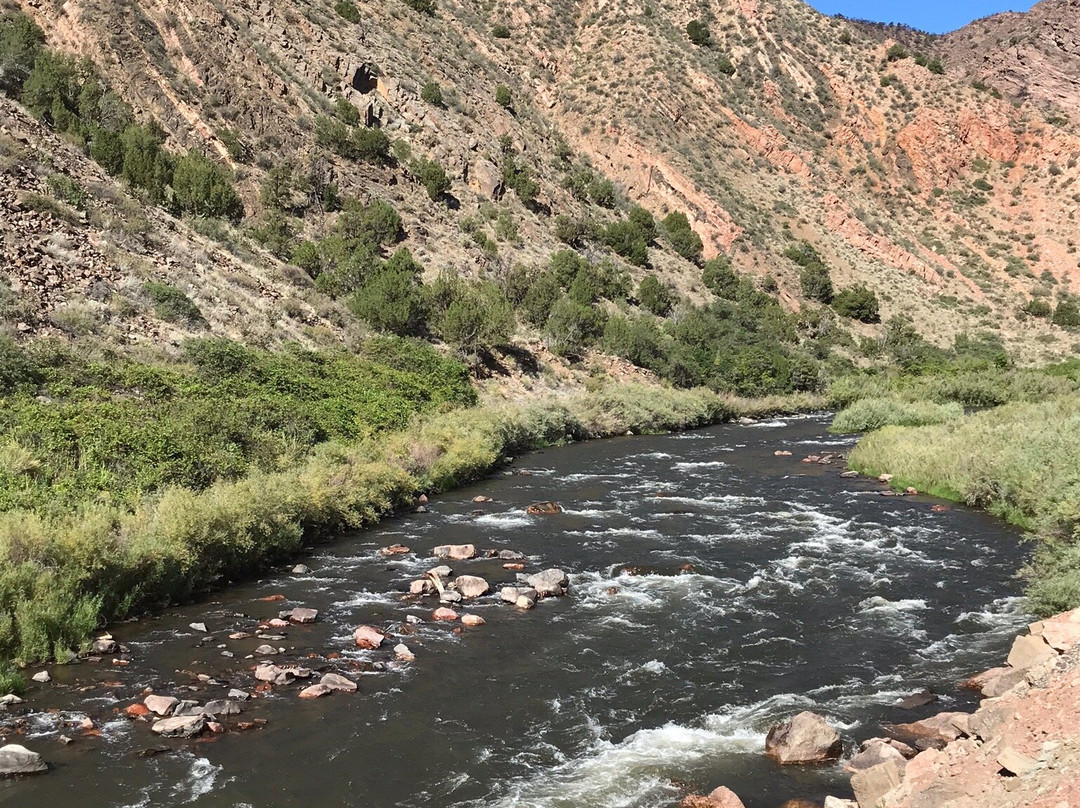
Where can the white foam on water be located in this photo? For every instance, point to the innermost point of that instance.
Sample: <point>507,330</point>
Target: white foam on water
<point>699,464</point>
<point>502,520</point>
<point>878,604</point>
<point>774,424</point>
<point>365,598</point>
<point>199,780</point>
<point>633,772</point>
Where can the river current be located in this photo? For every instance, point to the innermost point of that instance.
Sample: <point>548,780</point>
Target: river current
<point>803,591</point>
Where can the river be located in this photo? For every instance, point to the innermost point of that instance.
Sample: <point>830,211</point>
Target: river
<point>805,591</point>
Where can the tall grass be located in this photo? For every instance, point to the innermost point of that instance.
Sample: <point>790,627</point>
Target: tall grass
<point>1020,461</point>
<point>63,573</point>
<point>868,414</point>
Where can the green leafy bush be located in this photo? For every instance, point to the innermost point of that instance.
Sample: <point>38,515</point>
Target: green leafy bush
<point>503,97</point>
<point>720,279</point>
<point>203,188</point>
<point>20,42</point>
<point>1067,314</point>
<point>698,33</point>
<point>347,9</point>
<point>654,296</point>
<point>500,31</point>
<point>682,237</point>
<point>422,6</point>
<point>432,94</point>
<point>868,414</point>
<point>352,142</point>
<point>1037,308</point>
<point>571,327</point>
<point>858,303</point>
<point>392,299</point>
<point>172,305</point>
<point>432,176</point>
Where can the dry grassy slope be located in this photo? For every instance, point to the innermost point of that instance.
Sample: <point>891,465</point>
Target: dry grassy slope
<point>801,142</point>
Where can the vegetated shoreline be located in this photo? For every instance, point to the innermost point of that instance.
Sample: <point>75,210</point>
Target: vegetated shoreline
<point>1020,461</point>
<point>74,571</point>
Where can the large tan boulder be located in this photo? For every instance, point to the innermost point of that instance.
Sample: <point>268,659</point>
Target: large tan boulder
<point>803,738</point>
<point>720,797</point>
<point>871,785</point>
<point>1028,650</point>
<point>486,179</point>
<point>471,586</point>
<point>874,755</point>
<point>455,552</point>
<point>368,637</point>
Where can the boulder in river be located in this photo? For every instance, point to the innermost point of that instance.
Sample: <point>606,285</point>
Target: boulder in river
<point>920,699</point>
<point>511,593</point>
<point>220,707</point>
<point>481,499</point>
<point>368,637</point>
<point>187,726</point>
<point>549,583</point>
<point>544,508</point>
<point>42,677</point>
<point>104,645</point>
<point>471,586</point>
<point>803,738</point>
<point>511,555</point>
<point>300,615</point>
<point>421,586</point>
<point>336,681</point>
<point>933,732</point>
<point>720,797</point>
<point>472,620</point>
<point>455,552</point>
<point>871,785</point>
<point>301,569</point>
<point>16,759</point>
<point>315,691</point>
<point>394,549</point>
<point>525,602</point>
<point>402,652</point>
<point>265,650</point>
<point>450,596</point>
<point>873,755</point>
<point>443,613</point>
<point>161,705</point>
<point>187,707</point>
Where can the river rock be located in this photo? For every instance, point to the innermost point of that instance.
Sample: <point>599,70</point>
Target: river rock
<point>720,797</point>
<point>849,475</point>
<point>549,583</point>
<point>511,593</point>
<point>16,759</point>
<point>481,498</point>
<point>782,453</point>
<point>220,707</point>
<point>265,672</point>
<point>265,650</point>
<point>1003,682</point>
<point>836,802</point>
<point>455,552</point>
<point>104,645</point>
<point>315,691</point>
<point>525,602</point>
<point>443,613</point>
<point>300,615</point>
<point>161,705</point>
<point>187,726</point>
<point>471,586</point>
<point>277,622</point>
<point>186,707</point>
<point>544,508</point>
<point>335,681</point>
<point>472,620</point>
<point>421,586</point>
<point>442,572</point>
<point>136,710</point>
<point>10,699</point>
<point>1028,650</point>
<point>301,569</point>
<point>870,785</point>
<point>920,699</point>
<point>873,755</point>
<point>239,695</point>
<point>368,637</point>
<point>450,596</point>
<point>804,738</point>
<point>511,555</point>
<point>42,677</point>
<point>933,732</point>
<point>394,549</point>
<point>402,652</point>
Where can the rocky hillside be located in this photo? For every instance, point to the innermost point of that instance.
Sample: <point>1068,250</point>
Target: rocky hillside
<point>943,183</point>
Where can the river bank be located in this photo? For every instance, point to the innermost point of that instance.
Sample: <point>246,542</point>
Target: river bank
<point>66,573</point>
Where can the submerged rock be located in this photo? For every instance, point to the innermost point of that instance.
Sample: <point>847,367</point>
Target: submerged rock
<point>16,759</point>
<point>544,508</point>
<point>394,549</point>
<point>803,738</point>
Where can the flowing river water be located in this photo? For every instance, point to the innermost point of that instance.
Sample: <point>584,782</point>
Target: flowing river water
<point>807,591</point>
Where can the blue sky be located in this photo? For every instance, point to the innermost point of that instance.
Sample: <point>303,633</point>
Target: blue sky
<point>935,16</point>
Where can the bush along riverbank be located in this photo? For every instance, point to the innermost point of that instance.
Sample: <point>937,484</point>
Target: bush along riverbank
<point>65,571</point>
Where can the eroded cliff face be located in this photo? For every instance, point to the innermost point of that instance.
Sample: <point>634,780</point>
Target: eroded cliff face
<point>956,206</point>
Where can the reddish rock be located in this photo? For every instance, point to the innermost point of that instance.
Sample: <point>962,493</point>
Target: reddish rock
<point>443,613</point>
<point>472,620</point>
<point>720,797</point>
<point>273,598</point>
<point>368,637</point>
<point>161,705</point>
<point>513,566</point>
<point>315,691</point>
<point>136,710</point>
<point>481,498</point>
<point>1028,650</point>
<point>455,552</point>
<point>394,549</point>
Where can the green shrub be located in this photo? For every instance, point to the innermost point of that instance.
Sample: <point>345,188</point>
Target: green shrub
<point>17,370</point>
<point>654,296</point>
<point>500,31</point>
<point>347,9</point>
<point>896,52</point>
<point>538,302</point>
<point>1067,314</point>
<point>858,303</point>
<point>625,239</point>
<point>432,94</point>
<point>146,164</point>
<point>432,176</point>
<point>20,42</point>
<point>572,327</point>
<point>698,33</point>
<point>347,113</point>
<point>518,177</point>
<point>682,237</point>
<point>575,232</point>
<point>172,305</point>
<point>203,188</point>
<point>352,142</point>
<point>816,283</point>
<point>643,221</point>
<point>869,414</point>
<point>422,6</point>
<point>636,339</point>
<point>471,317</point>
<point>376,223</point>
<point>725,65</point>
<point>602,192</point>
<point>503,97</point>
<point>1037,308</point>
<point>392,299</point>
<point>720,279</point>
